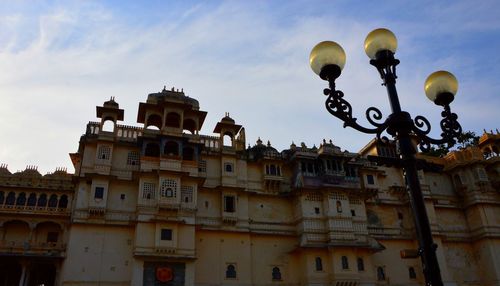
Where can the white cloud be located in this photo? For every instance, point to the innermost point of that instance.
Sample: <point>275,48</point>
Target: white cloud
<point>232,57</point>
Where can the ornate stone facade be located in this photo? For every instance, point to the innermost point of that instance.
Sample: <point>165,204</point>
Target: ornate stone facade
<point>162,204</point>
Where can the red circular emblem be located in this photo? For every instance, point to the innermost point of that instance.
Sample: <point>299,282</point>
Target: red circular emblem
<point>164,274</point>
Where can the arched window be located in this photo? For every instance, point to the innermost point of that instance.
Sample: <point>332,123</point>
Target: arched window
<point>319,264</point>
<point>108,125</point>
<point>188,154</point>
<point>2,197</point>
<point>380,273</point>
<point>11,199</point>
<point>42,201</point>
<point>21,199</point>
<point>339,207</point>
<point>361,264</point>
<point>154,120</point>
<point>231,271</point>
<point>345,262</point>
<point>228,167</point>
<point>227,139</point>
<point>189,125</point>
<point>171,148</point>
<point>53,201</point>
<point>32,200</point>
<point>63,202</point>
<point>276,273</point>
<point>173,120</point>
<point>152,150</point>
<point>411,273</point>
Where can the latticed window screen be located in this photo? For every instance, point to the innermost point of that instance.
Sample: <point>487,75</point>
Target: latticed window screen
<point>202,166</point>
<point>133,158</point>
<point>148,190</point>
<point>168,188</point>
<point>187,194</point>
<point>104,152</point>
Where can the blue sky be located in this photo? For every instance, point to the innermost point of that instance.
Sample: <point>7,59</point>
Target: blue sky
<point>59,59</point>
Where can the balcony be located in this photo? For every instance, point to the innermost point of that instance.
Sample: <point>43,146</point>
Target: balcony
<point>45,249</point>
<point>171,163</point>
<point>22,209</point>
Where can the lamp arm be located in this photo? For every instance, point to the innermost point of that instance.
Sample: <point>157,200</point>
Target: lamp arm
<point>450,128</point>
<point>341,108</point>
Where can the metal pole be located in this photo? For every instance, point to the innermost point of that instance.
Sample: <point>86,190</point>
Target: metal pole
<point>427,247</point>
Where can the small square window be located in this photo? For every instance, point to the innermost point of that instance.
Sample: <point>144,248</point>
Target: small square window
<point>316,210</point>
<point>122,196</point>
<point>353,212</point>
<point>166,234</point>
<point>52,236</point>
<point>228,167</point>
<point>99,193</point>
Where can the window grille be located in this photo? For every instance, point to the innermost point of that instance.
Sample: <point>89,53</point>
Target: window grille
<point>148,190</point>
<point>168,188</point>
<point>104,152</point>
<point>133,158</point>
<point>187,194</point>
<point>202,166</point>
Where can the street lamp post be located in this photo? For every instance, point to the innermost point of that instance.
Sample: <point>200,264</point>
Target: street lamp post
<point>327,59</point>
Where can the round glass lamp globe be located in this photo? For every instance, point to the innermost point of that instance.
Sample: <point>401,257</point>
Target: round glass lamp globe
<point>440,82</point>
<point>326,53</point>
<point>379,40</point>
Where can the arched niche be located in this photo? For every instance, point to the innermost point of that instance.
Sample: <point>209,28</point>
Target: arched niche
<point>173,119</point>
<point>153,122</point>
<point>171,148</point>
<point>48,232</point>
<point>189,125</point>
<point>152,150</point>
<point>108,124</point>
<point>16,231</point>
<point>227,139</point>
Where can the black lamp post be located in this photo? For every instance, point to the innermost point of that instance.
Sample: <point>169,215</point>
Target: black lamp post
<point>327,60</point>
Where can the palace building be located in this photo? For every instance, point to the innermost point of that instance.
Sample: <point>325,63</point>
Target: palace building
<point>161,204</point>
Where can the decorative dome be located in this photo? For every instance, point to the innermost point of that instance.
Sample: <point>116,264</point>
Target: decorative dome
<point>261,151</point>
<point>227,119</point>
<point>172,95</point>
<point>111,103</point>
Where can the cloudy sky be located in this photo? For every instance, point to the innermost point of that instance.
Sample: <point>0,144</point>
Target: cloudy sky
<point>59,59</point>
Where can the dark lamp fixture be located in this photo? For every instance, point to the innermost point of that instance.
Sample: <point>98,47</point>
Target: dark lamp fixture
<point>380,40</point>
<point>327,59</point>
<point>441,87</point>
